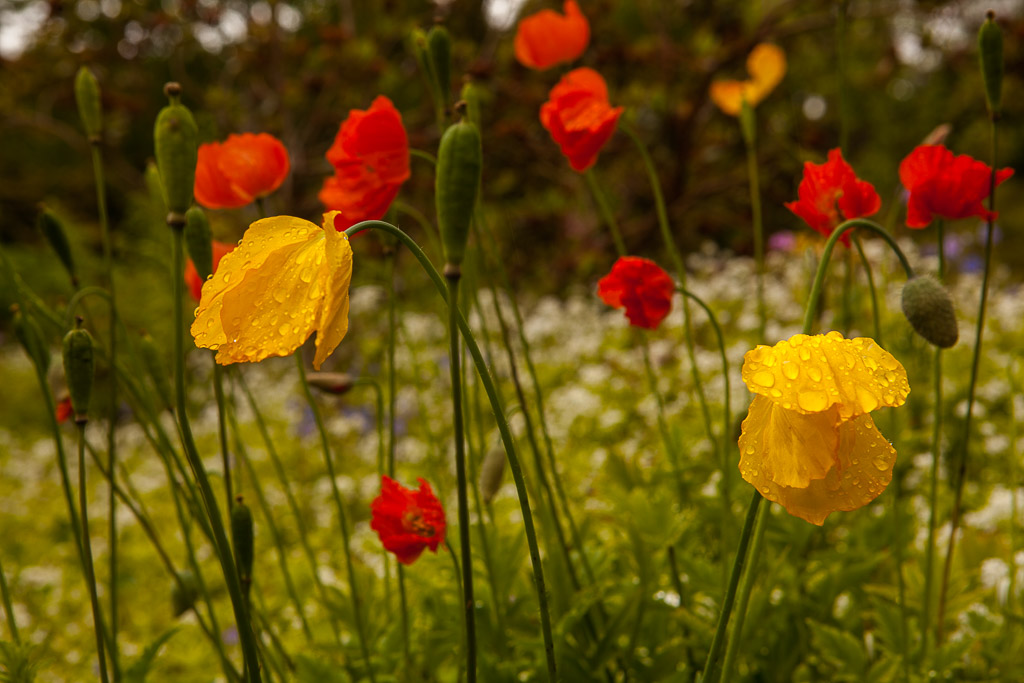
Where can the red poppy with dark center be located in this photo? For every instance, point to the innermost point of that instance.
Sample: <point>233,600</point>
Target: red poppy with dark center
<point>641,287</point>
<point>548,38</point>
<point>941,184</point>
<point>407,520</point>
<point>370,156</point>
<point>579,117</point>
<point>192,279</point>
<point>239,170</point>
<point>831,193</point>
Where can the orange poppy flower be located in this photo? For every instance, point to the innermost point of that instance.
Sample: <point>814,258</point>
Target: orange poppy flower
<point>942,184</point>
<point>579,117</point>
<point>830,193</point>
<point>192,279</point>
<point>237,171</point>
<point>766,66</point>
<point>548,38</point>
<point>370,156</point>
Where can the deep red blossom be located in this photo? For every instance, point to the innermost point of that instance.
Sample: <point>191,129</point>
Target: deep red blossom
<point>641,287</point>
<point>192,279</point>
<point>941,184</point>
<point>579,117</point>
<point>407,520</point>
<point>370,156</point>
<point>831,193</point>
<point>63,410</point>
<point>237,171</point>
<point>548,38</point>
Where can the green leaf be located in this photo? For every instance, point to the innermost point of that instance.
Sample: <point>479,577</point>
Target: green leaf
<point>139,669</point>
<point>840,649</point>
<point>17,663</point>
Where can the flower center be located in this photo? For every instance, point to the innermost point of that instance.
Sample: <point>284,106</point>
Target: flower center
<point>412,521</point>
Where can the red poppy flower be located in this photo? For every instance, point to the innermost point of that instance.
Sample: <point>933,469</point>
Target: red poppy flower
<point>192,279</point>
<point>407,520</point>
<point>370,156</point>
<point>235,172</point>
<point>641,287</point>
<point>830,193</point>
<point>945,185</point>
<point>548,38</point>
<point>578,116</point>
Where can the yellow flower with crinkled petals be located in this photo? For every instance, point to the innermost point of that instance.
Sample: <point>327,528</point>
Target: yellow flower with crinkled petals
<point>808,442</point>
<point>286,279</point>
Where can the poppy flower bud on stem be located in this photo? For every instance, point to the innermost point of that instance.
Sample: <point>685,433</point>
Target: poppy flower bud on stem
<point>336,383</point>
<point>184,593</point>
<point>491,474</point>
<point>31,339</point>
<point>929,309</point>
<point>87,95</point>
<point>199,242</point>
<point>176,141</point>
<point>459,162</point>
<point>53,231</point>
<point>990,57</point>
<point>79,369</point>
<point>242,533</point>
<point>439,50</point>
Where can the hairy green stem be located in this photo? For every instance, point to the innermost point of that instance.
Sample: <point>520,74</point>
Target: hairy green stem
<point>246,636</point>
<point>503,428</point>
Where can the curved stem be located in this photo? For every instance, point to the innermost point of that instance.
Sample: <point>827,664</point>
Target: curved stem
<point>246,636</point>
<point>876,321</point>
<point>503,428</point>
<point>606,212</point>
<point>342,517</point>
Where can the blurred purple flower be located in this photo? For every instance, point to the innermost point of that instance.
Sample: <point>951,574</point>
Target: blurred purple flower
<point>784,240</point>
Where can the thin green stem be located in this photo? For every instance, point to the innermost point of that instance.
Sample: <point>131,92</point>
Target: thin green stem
<point>452,275</point>
<point>90,574</point>
<point>730,593</point>
<point>12,624</point>
<point>755,213</point>
<point>960,470</point>
<point>933,492</point>
<point>246,636</point>
<point>875,319</point>
<point>746,587</point>
<point>108,268</point>
<point>605,210</point>
<point>503,428</point>
<point>222,432</point>
<point>342,517</point>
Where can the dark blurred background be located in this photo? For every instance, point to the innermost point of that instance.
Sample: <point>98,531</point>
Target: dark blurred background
<point>294,69</point>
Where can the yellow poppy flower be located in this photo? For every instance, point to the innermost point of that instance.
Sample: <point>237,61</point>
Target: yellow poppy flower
<point>287,278</point>
<point>808,442</point>
<point>766,65</point>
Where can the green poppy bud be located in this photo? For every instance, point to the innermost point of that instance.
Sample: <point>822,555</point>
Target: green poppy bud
<point>990,56</point>
<point>336,383</point>
<point>90,110</point>
<point>53,231</point>
<point>439,49</point>
<point>176,142</point>
<point>154,186</point>
<point>242,533</point>
<point>151,357</point>
<point>472,95</point>
<point>199,241</point>
<point>491,474</point>
<point>184,593</point>
<point>79,369</point>
<point>27,332</point>
<point>459,162</point>
<point>928,307</point>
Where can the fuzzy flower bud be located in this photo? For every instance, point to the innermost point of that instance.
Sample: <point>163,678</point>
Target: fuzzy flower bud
<point>929,309</point>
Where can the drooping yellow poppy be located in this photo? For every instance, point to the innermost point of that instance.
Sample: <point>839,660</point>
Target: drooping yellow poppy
<point>808,442</point>
<point>287,278</point>
<point>766,65</point>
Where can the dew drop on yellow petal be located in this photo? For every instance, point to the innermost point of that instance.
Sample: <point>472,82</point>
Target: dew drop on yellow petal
<point>814,372</point>
<point>790,369</point>
<point>765,379</point>
<point>812,401</point>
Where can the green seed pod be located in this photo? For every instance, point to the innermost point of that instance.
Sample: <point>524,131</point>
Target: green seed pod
<point>157,370</point>
<point>472,95</point>
<point>27,332</point>
<point>418,46</point>
<point>53,231</point>
<point>90,110</point>
<point>176,141</point>
<point>439,49</point>
<point>491,474</point>
<point>242,532</point>
<point>79,369</point>
<point>184,592</point>
<point>928,307</point>
<point>459,162</point>
<point>990,56</point>
<point>199,241</point>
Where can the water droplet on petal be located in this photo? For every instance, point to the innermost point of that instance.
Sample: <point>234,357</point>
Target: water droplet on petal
<point>790,370</point>
<point>880,463</point>
<point>814,372</point>
<point>764,379</point>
